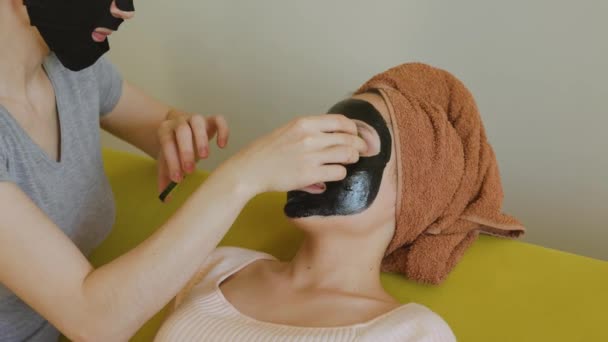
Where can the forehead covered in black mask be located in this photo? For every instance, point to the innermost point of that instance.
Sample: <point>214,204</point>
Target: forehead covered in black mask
<point>359,189</point>
<point>67,25</point>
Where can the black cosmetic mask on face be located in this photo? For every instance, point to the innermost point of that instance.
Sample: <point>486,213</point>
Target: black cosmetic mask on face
<point>67,25</point>
<point>359,189</point>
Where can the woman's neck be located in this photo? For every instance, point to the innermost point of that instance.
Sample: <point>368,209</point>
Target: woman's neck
<point>22,50</point>
<point>342,263</point>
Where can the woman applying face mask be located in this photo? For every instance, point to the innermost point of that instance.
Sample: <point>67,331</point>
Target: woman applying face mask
<point>56,205</point>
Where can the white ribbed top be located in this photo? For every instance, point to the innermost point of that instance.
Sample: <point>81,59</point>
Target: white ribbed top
<point>206,315</point>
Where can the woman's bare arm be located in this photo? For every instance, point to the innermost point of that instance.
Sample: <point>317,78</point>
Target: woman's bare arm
<point>42,266</point>
<point>45,269</point>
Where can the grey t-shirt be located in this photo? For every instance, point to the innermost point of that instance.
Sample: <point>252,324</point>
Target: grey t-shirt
<point>74,192</point>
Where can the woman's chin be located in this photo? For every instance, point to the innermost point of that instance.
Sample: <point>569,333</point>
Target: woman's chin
<point>317,223</point>
<point>305,219</point>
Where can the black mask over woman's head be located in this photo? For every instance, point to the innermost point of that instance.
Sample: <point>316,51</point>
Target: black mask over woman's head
<point>67,25</point>
<point>359,189</point>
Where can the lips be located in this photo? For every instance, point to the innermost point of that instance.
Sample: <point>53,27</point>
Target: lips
<point>317,188</point>
<point>100,36</point>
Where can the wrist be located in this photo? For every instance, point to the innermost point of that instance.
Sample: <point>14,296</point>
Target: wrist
<point>237,180</point>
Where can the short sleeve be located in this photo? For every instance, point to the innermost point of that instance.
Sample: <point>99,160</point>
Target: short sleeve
<point>109,83</point>
<point>5,175</point>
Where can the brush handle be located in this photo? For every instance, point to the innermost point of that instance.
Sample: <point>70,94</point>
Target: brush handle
<point>167,190</point>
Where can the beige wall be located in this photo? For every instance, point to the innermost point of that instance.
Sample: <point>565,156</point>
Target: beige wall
<point>538,69</point>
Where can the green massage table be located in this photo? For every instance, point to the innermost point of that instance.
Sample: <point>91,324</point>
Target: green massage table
<point>501,290</point>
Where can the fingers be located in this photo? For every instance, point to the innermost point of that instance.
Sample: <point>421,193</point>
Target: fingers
<point>218,125</point>
<point>183,136</point>
<point>342,139</point>
<point>331,173</point>
<point>171,156</point>
<point>335,130</point>
<point>327,123</point>
<point>223,132</point>
<point>199,131</point>
<point>339,155</point>
<point>163,173</point>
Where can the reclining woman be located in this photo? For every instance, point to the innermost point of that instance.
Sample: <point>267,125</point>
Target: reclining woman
<point>411,204</point>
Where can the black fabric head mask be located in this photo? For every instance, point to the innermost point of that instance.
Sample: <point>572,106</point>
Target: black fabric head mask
<point>67,25</point>
<point>359,189</point>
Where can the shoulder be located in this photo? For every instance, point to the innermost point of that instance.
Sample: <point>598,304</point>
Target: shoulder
<point>220,264</point>
<point>101,69</point>
<point>101,66</point>
<point>8,133</point>
<point>410,322</point>
<point>100,84</point>
<point>54,67</point>
<point>4,157</point>
<point>53,62</point>
<point>2,142</point>
<point>72,83</point>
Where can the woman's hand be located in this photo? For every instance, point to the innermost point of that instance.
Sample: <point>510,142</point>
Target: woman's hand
<point>306,151</point>
<point>184,139</point>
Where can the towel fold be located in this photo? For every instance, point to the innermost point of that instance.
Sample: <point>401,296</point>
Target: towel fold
<point>449,185</point>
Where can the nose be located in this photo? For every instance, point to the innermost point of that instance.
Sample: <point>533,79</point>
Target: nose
<point>118,13</point>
